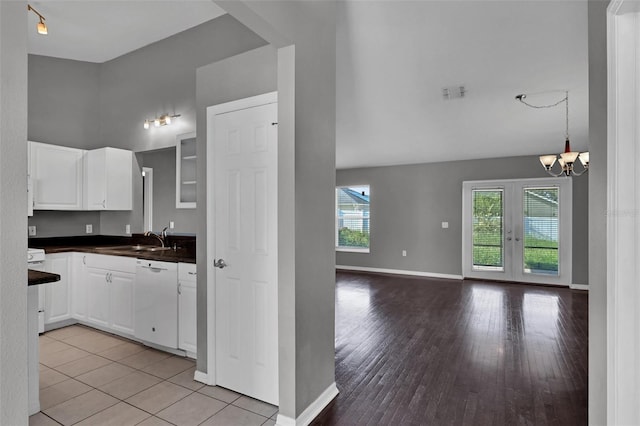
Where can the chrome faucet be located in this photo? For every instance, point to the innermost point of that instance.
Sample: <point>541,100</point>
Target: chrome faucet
<point>162,237</point>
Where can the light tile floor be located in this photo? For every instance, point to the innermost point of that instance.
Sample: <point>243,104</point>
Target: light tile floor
<point>88,377</point>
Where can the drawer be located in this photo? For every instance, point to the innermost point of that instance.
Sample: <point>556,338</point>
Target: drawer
<point>111,263</point>
<point>187,272</point>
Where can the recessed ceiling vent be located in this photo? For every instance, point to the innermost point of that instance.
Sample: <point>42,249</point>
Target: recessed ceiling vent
<point>453,92</point>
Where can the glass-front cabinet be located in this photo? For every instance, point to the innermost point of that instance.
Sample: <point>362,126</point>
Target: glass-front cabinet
<point>186,171</point>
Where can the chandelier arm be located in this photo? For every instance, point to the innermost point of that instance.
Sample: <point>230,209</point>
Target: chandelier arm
<point>584,170</point>
<point>554,174</point>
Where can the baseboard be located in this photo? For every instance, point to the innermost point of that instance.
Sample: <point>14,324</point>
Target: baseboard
<point>201,377</point>
<point>312,411</point>
<point>584,287</point>
<point>399,272</point>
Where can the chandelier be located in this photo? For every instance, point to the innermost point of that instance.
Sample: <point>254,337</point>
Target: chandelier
<point>568,158</point>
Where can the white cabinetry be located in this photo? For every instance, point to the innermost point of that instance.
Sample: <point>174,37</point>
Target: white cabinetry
<point>57,295</point>
<point>78,286</point>
<point>110,292</point>
<point>56,176</point>
<point>108,179</point>
<point>186,171</point>
<point>187,326</point>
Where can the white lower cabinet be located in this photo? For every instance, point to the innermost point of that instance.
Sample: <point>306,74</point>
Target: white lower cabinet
<point>187,325</point>
<point>78,286</point>
<point>115,293</point>
<point>57,295</point>
<point>110,285</point>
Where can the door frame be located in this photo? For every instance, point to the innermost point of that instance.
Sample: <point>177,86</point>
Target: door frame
<point>212,111</point>
<point>564,277</point>
<point>622,215</point>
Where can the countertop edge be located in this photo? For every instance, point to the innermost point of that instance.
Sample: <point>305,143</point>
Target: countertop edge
<point>40,277</point>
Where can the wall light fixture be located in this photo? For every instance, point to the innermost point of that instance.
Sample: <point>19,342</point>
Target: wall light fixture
<point>163,120</point>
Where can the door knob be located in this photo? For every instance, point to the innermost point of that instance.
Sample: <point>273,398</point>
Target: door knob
<point>220,263</point>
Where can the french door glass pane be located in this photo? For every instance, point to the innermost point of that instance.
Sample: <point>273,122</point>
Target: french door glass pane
<point>488,229</point>
<point>540,215</point>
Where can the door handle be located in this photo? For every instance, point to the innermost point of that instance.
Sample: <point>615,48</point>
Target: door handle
<point>220,263</point>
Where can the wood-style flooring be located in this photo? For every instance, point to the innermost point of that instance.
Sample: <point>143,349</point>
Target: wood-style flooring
<point>420,351</point>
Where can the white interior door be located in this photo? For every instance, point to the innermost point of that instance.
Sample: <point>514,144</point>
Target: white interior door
<point>518,230</point>
<point>246,285</point>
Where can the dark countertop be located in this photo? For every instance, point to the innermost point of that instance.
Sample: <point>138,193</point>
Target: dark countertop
<point>179,255</point>
<point>39,277</point>
<point>121,246</point>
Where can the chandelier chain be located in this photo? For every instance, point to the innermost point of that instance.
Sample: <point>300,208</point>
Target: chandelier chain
<point>521,98</point>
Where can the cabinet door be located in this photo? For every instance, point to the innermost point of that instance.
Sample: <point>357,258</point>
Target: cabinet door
<point>57,177</point>
<point>97,296</point>
<point>78,286</point>
<point>187,326</point>
<point>109,179</point>
<point>121,292</point>
<point>57,294</point>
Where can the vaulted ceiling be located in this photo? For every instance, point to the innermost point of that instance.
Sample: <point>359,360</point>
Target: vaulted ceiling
<point>393,60</point>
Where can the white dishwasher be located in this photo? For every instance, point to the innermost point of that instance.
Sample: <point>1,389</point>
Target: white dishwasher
<point>156,300</point>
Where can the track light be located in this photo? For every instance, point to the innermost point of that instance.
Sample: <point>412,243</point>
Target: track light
<point>41,27</point>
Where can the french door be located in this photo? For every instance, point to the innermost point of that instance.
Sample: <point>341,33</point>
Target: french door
<point>517,230</point>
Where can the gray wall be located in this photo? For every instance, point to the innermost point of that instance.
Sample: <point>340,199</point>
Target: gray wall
<point>163,163</point>
<point>13,205</point>
<point>63,102</point>
<point>62,223</point>
<point>597,212</point>
<point>87,105</point>
<point>409,203</point>
<point>305,32</point>
<point>248,74</point>
<point>161,78</point>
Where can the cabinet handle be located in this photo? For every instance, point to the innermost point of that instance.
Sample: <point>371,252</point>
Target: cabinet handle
<point>84,260</point>
<point>192,273</point>
<point>104,202</point>
<point>179,288</point>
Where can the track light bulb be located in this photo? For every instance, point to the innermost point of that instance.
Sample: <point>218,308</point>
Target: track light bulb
<point>146,124</point>
<point>42,28</point>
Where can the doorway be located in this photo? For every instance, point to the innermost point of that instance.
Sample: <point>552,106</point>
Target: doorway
<point>518,230</point>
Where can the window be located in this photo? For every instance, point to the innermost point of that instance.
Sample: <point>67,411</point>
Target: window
<point>353,218</point>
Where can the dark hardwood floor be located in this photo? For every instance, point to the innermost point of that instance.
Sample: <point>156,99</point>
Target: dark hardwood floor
<point>419,351</point>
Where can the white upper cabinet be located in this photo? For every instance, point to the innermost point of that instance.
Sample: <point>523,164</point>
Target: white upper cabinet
<point>64,178</point>
<point>186,171</point>
<point>57,176</point>
<point>108,179</point>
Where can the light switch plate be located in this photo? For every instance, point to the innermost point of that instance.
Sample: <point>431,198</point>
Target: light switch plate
<point>127,229</point>
<point>89,228</point>
<point>32,231</point>
<point>445,225</point>
<point>172,225</point>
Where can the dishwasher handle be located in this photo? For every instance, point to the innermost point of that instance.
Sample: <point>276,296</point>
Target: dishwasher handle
<point>153,268</point>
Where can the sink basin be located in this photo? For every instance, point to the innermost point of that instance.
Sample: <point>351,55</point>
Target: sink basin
<point>156,248</point>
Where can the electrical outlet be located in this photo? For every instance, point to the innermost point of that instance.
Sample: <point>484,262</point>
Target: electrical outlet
<point>404,253</point>
<point>445,225</point>
<point>172,225</point>
<point>127,229</point>
<point>32,231</point>
<point>89,228</point>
